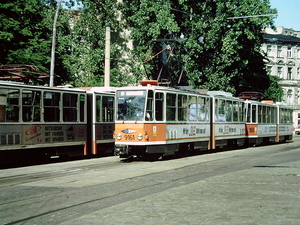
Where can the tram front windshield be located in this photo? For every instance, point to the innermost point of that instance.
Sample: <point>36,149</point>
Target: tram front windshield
<point>131,105</point>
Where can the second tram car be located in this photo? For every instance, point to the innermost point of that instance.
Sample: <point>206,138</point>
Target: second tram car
<point>48,122</point>
<point>267,122</point>
<point>158,121</point>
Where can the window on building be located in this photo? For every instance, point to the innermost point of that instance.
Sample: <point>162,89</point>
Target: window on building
<point>279,51</point>
<point>269,70</point>
<point>279,72</point>
<point>269,50</point>
<point>289,73</point>
<point>289,52</point>
<point>289,97</point>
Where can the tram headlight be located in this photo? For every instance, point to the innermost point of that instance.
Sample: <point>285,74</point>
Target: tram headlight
<point>119,136</point>
<point>139,137</point>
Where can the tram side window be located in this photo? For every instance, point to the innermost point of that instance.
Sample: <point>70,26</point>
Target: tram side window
<point>192,112</point>
<point>248,112</point>
<point>228,111</point>
<point>235,111</point>
<point>159,105</point>
<point>290,115</point>
<point>149,107</point>
<point>70,107</point>
<point>107,109</point>
<point>285,115</point>
<point>51,107</point>
<point>98,108</point>
<point>81,108</point>
<point>31,105</point>
<point>281,115</point>
<point>206,109</point>
<point>9,105</point>
<point>171,107</point>
<point>241,114</point>
<point>3,102</point>
<point>202,109</point>
<point>254,108</point>
<point>259,114</point>
<point>265,114</point>
<point>273,115</point>
<point>182,107</point>
<point>220,110</point>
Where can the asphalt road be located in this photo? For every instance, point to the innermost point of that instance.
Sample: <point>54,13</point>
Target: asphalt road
<point>258,185</point>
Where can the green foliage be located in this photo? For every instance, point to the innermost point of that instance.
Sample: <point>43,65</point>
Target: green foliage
<point>210,49</point>
<point>24,34</point>
<point>26,38</point>
<point>219,51</point>
<point>87,44</point>
<point>274,92</point>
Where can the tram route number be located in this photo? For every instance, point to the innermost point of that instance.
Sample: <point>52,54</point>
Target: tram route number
<point>129,137</point>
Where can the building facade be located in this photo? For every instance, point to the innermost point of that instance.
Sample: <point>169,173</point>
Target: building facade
<point>282,48</point>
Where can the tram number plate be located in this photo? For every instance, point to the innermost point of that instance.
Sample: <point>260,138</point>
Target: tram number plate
<point>129,137</point>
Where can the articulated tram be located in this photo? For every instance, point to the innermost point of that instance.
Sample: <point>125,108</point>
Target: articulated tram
<point>49,122</point>
<point>159,121</point>
<point>146,120</point>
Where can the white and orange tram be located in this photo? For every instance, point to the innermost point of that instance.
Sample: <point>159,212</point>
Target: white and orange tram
<point>37,121</point>
<point>267,122</point>
<point>156,121</point>
<point>227,121</point>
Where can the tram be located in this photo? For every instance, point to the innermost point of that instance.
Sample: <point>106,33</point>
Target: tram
<point>267,122</point>
<point>157,121</point>
<point>54,122</point>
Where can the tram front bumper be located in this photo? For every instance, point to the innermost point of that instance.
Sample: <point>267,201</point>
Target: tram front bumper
<point>121,150</point>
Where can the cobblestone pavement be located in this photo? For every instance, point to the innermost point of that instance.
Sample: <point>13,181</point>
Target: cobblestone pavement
<point>258,195</point>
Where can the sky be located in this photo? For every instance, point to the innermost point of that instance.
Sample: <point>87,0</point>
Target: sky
<point>288,13</point>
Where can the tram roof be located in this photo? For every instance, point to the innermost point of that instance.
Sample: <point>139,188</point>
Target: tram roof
<point>99,89</point>
<point>17,85</point>
<point>183,89</point>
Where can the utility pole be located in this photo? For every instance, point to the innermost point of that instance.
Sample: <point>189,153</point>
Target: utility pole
<point>107,58</point>
<point>53,45</point>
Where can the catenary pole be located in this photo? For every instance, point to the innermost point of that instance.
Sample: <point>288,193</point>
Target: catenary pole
<point>53,45</point>
<point>107,58</point>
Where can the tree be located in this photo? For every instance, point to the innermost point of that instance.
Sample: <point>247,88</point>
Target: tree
<point>85,56</point>
<point>220,48</point>
<point>24,33</point>
<point>148,21</point>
